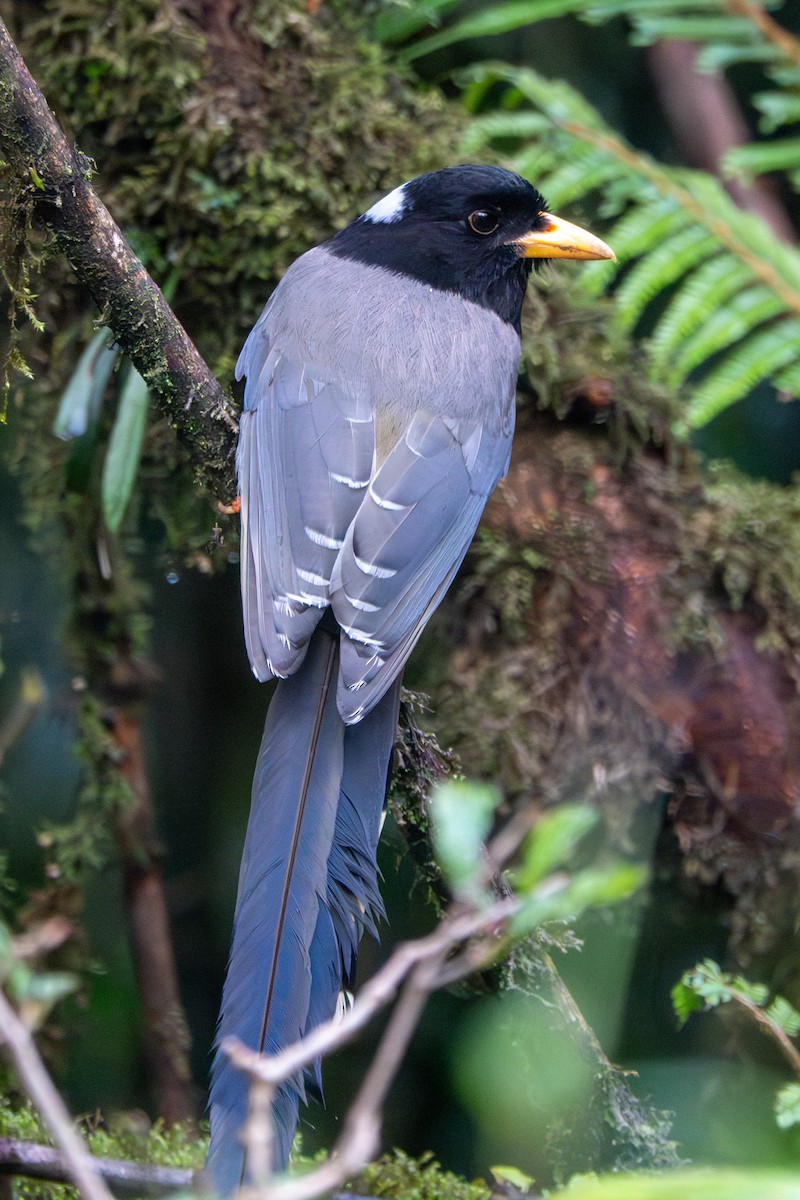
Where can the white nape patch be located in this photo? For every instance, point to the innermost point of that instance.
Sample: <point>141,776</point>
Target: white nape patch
<point>389,208</point>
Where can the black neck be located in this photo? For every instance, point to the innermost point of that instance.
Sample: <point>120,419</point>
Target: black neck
<point>495,279</point>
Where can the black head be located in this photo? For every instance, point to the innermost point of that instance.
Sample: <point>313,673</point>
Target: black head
<point>457,230</point>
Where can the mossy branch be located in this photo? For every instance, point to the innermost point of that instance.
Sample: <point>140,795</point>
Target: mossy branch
<point>55,180</point>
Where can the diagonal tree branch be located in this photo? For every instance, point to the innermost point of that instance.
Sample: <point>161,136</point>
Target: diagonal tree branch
<point>54,179</point>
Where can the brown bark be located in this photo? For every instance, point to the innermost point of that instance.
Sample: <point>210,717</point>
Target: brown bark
<point>165,1034</point>
<point>632,677</point>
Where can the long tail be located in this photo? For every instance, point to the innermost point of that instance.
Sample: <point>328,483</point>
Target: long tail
<point>308,887</point>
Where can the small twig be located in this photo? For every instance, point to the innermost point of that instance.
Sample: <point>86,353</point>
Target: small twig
<point>773,1030</point>
<point>39,1087</point>
<point>359,1141</point>
<point>376,994</point>
<point>124,1178</point>
<point>258,1134</point>
<point>415,969</point>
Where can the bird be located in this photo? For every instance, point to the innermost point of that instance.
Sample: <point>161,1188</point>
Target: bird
<point>379,406</point>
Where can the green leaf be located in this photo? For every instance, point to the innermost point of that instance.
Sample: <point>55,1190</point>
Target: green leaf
<point>524,124</point>
<point>693,1183</point>
<point>784,1015</point>
<point>782,154</point>
<point>553,841</point>
<point>83,395</point>
<point>491,20</point>
<point>124,449</point>
<point>630,8</point>
<point>731,322</point>
<point>573,180</point>
<point>718,55</point>
<point>708,983</point>
<point>714,987</point>
<point>761,355</point>
<point>666,262</point>
<point>461,817</point>
<point>518,1179</point>
<point>788,380</point>
<point>645,226</point>
<point>706,290</point>
<point>565,899</point>
<point>685,1002</point>
<point>777,108</point>
<point>709,28</point>
<point>787,1106</point>
<point>401,21</point>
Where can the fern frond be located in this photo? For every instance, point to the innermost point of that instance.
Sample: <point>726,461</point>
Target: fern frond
<point>728,32</point>
<point>711,286</point>
<point>754,360</point>
<point>725,327</point>
<point>735,289</point>
<point>717,28</point>
<point>665,263</point>
<point>788,380</point>
<point>760,157</point>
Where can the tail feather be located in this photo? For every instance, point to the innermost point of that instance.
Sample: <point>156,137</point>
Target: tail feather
<point>308,887</point>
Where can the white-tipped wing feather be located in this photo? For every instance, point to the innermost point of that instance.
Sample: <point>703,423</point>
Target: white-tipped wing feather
<point>404,546</point>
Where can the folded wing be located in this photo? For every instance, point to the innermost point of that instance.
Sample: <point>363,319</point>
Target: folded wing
<point>405,544</point>
<point>305,457</point>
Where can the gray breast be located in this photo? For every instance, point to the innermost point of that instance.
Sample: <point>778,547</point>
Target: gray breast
<point>392,340</point>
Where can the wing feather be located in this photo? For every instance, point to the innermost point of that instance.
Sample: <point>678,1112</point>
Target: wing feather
<point>305,457</point>
<point>405,545</point>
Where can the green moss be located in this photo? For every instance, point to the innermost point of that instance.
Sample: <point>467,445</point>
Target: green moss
<point>396,1176</point>
<point>746,538</point>
<point>232,150</point>
<point>574,353</point>
<point>134,1140</point>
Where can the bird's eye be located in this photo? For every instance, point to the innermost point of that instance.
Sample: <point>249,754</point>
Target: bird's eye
<point>483,222</point>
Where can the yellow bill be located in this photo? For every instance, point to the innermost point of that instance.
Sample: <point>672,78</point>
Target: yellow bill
<point>562,239</point>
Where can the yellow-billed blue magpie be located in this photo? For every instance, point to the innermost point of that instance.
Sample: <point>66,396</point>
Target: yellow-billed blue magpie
<point>379,413</point>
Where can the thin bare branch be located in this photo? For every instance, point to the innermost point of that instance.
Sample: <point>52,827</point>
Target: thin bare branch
<point>38,1085</point>
<point>416,969</point>
<point>376,994</point>
<point>124,1178</point>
